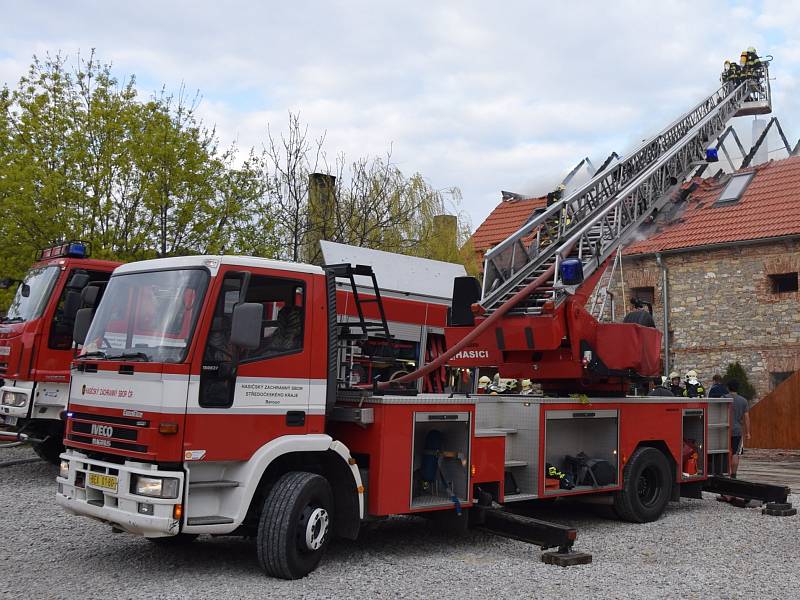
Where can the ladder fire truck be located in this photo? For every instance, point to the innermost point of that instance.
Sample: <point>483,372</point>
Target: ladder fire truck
<point>36,344</point>
<point>212,394</point>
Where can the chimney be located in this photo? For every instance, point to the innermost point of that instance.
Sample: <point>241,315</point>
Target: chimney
<point>321,213</point>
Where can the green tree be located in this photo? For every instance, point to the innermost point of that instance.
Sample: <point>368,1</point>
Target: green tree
<point>737,372</point>
<point>82,157</point>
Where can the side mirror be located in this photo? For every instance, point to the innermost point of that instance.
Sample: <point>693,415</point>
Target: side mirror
<point>78,281</point>
<point>83,318</point>
<point>72,302</point>
<point>246,325</point>
<point>89,296</point>
<point>25,290</point>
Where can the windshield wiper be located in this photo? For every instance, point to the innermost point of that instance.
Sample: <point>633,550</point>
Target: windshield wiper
<point>95,354</point>
<point>130,356</point>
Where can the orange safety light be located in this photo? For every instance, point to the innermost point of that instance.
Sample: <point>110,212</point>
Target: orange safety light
<point>177,512</point>
<point>167,428</point>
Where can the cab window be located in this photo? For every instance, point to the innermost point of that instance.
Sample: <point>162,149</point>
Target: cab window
<point>60,337</point>
<point>282,331</point>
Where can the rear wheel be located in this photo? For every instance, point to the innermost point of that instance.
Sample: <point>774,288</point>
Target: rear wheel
<point>295,526</point>
<point>645,486</point>
<point>50,449</point>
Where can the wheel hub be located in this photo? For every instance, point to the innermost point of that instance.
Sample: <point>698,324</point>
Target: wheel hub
<point>316,529</point>
<point>647,486</point>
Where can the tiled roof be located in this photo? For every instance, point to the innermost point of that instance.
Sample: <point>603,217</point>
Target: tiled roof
<point>504,220</point>
<point>769,207</point>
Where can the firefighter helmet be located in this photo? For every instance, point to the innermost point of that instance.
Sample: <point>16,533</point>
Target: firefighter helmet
<point>484,381</point>
<point>674,375</point>
<point>691,374</point>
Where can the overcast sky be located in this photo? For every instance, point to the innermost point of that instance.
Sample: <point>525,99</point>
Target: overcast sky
<point>482,96</point>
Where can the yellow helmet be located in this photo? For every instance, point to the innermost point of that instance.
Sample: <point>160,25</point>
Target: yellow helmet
<point>751,49</point>
<point>691,374</point>
<point>484,381</point>
<point>674,375</point>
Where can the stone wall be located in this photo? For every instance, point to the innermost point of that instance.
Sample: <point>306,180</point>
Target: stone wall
<point>722,309</point>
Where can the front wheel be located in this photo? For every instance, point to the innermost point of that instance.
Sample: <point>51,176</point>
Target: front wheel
<point>295,525</point>
<point>50,449</point>
<point>646,486</point>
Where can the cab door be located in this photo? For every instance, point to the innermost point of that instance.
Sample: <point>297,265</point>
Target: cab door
<point>248,397</point>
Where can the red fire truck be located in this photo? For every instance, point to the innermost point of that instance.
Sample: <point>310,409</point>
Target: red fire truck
<point>36,343</point>
<point>216,395</point>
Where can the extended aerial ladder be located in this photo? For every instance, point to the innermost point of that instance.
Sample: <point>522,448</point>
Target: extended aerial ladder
<point>593,221</point>
<point>530,319</point>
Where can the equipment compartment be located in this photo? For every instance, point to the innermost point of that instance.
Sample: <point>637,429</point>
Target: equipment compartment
<point>570,432</point>
<point>694,435</point>
<point>440,459</point>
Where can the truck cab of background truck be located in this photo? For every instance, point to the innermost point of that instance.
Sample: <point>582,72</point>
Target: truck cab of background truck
<point>36,342</point>
<point>198,405</point>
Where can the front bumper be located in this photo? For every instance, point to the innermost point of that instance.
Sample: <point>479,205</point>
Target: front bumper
<point>118,508</point>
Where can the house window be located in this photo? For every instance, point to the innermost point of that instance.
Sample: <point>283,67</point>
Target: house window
<point>783,282</point>
<point>777,378</point>
<point>735,188</point>
<point>644,294</point>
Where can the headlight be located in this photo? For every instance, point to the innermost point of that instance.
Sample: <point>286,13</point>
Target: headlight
<point>63,470</point>
<point>157,487</point>
<point>14,399</point>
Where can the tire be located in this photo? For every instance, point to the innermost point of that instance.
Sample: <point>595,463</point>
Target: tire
<point>296,525</point>
<point>173,541</point>
<point>50,449</point>
<point>646,486</point>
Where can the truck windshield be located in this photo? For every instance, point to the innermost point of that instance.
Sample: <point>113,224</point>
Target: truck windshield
<point>148,316</point>
<point>32,294</point>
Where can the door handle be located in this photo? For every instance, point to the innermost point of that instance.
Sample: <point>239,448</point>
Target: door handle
<point>295,418</point>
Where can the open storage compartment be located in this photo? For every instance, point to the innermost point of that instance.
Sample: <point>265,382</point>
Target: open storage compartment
<point>694,437</point>
<point>440,458</point>
<point>594,433</point>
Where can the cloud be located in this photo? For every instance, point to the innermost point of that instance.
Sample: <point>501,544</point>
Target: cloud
<point>507,96</point>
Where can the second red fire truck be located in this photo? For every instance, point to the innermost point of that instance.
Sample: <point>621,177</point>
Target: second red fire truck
<point>36,343</point>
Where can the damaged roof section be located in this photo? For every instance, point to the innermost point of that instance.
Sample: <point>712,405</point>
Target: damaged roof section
<point>767,207</point>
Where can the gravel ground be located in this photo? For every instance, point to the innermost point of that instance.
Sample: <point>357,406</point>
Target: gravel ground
<point>699,549</point>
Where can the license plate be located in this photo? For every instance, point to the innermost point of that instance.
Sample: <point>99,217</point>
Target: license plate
<point>7,420</point>
<point>106,482</point>
<point>5,350</point>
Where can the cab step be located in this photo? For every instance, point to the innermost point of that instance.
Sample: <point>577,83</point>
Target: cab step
<point>215,520</point>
